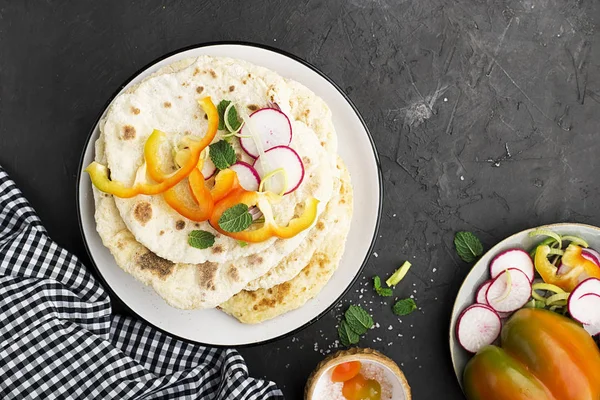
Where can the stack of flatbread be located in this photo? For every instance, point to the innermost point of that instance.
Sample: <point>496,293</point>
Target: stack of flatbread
<point>149,239</point>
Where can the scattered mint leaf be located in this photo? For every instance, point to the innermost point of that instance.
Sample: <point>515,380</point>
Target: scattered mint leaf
<point>236,218</point>
<point>347,335</point>
<point>222,154</point>
<point>242,243</point>
<point>404,307</point>
<point>385,292</point>
<point>358,319</point>
<point>221,110</point>
<point>233,122</point>
<point>467,246</point>
<point>201,239</point>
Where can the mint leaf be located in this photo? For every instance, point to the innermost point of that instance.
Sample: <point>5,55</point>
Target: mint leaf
<point>241,243</point>
<point>236,218</point>
<point>358,319</point>
<point>222,154</point>
<point>385,292</point>
<point>467,246</point>
<point>221,110</point>
<point>233,122</point>
<point>201,239</point>
<point>346,334</point>
<point>404,307</point>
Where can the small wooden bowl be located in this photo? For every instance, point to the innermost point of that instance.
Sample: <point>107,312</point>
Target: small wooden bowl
<point>400,386</point>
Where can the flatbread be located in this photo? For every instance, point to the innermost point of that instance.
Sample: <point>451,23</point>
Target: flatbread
<point>168,102</point>
<point>185,285</point>
<point>252,307</point>
<point>187,278</point>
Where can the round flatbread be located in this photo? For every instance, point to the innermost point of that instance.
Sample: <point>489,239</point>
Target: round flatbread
<point>168,101</point>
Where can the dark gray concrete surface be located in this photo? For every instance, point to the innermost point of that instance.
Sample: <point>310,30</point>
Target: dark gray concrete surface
<point>485,115</point>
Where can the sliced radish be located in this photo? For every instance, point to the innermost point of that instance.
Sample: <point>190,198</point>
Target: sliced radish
<point>509,291</point>
<point>272,127</point>
<point>591,255</point>
<point>247,175</point>
<point>593,330</point>
<point>482,291</point>
<point>481,299</point>
<point>513,258</point>
<point>281,158</point>
<point>477,326</point>
<point>208,169</point>
<point>590,285</point>
<point>585,309</point>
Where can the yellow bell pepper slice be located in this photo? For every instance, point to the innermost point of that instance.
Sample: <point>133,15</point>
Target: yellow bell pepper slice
<point>99,173</point>
<point>580,267</point>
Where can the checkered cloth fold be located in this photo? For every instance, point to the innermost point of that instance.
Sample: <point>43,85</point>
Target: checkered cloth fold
<point>58,339</point>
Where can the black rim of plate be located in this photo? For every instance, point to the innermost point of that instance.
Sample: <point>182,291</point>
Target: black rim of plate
<point>294,58</point>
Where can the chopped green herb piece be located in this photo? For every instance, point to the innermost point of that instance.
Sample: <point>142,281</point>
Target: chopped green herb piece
<point>242,243</point>
<point>404,307</point>
<point>358,319</point>
<point>201,239</point>
<point>347,335</point>
<point>398,275</point>
<point>236,218</point>
<point>222,154</point>
<point>467,246</point>
<point>385,292</point>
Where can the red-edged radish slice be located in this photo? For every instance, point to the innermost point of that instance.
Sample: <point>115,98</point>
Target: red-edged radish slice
<point>480,297</point>
<point>509,291</point>
<point>247,175</point>
<point>593,330</point>
<point>592,255</point>
<point>272,127</point>
<point>590,285</point>
<point>482,291</point>
<point>585,309</point>
<point>208,169</point>
<point>281,158</point>
<point>513,258</point>
<point>477,326</point>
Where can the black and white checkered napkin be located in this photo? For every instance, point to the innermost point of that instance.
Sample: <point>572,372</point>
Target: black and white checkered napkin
<point>58,339</point>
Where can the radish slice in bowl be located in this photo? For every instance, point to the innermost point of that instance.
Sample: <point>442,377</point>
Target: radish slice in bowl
<point>482,291</point>
<point>247,175</point>
<point>512,258</point>
<point>478,326</point>
<point>585,309</point>
<point>510,291</point>
<point>272,127</point>
<point>480,297</point>
<point>590,285</point>
<point>593,330</point>
<point>591,255</point>
<point>280,158</point>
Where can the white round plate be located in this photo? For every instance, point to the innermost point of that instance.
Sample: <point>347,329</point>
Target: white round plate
<point>480,273</point>
<point>212,326</point>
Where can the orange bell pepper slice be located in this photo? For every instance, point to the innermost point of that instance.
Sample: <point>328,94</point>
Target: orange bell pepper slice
<point>193,202</point>
<point>225,182</point>
<point>581,268</point>
<point>270,228</point>
<point>99,173</point>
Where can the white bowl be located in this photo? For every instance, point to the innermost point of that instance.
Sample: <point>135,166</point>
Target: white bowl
<point>480,273</point>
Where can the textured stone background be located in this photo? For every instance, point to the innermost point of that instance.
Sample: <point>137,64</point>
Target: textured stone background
<point>485,114</point>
